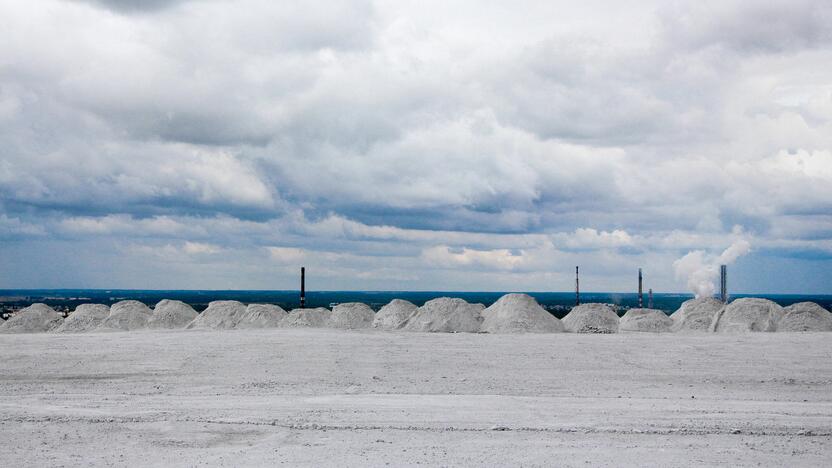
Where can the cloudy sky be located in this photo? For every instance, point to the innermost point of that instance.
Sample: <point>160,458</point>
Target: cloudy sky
<point>440,145</point>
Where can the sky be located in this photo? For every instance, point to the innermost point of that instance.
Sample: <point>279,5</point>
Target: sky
<point>415,145</point>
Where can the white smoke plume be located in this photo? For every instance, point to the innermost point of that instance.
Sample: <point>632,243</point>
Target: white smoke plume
<point>701,270</point>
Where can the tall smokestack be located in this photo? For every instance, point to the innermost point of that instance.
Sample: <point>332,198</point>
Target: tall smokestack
<point>723,283</point>
<point>640,294</point>
<point>302,287</point>
<point>577,288</point>
<point>650,298</point>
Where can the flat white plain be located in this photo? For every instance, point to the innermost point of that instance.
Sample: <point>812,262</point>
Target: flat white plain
<point>327,397</point>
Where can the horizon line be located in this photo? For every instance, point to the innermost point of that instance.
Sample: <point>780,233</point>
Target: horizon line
<point>401,291</point>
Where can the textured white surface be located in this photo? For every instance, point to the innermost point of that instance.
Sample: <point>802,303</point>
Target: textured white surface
<point>448,315</point>
<point>307,318</point>
<point>352,315</point>
<point>518,313</point>
<point>394,315</point>
<point>126,316</point>
<point>645,320</point>
<point>356,398</point>
<point>37,318</point>
<point>805,316</point>
<point>85,318</point>
<point>261,316</point>
<point>748,315</point>
<point>696,315</point>
<point>220,315</point>
<point>170,314</point>
<point>591,318</point>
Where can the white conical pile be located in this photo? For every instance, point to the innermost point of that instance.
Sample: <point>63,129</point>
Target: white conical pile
<point>314,318</point>
<point>591,318</point>
<point>447,315</point>
<point>696,314</point>
<point>518,313</point>
<point>169,314</point>
<point>86,317</point>
<point>126,316</point>
<point>37,318</point>
<point>394,315</point>
<point>645,320</point>
<point>220,315</point>
<point>748,315</point>
<point>261,316</point>
<point>803,317</point>
<point>352,315</point>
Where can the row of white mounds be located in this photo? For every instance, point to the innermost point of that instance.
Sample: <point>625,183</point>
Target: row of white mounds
<point>512,313</point>
<point>749,315</point>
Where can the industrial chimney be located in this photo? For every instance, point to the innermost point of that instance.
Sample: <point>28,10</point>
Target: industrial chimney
<point>577,288</point>
<point>302,287</point>
<point>723,283</point>
<point>640,294</point>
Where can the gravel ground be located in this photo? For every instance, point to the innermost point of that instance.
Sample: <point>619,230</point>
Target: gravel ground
<point>334,398</point>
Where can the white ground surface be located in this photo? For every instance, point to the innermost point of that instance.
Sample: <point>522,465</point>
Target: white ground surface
<point>337,398</point>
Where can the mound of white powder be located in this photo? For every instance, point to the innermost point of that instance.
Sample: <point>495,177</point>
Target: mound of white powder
<point>37,318</point>
<point>518,313</point>
<point>352,315</point>
<point>645,320</point>
<point>748,314</point>
<point>591,318</point>
<point>220,315</point>
<point>126,316</point>
<point>314,318</point>
<point>394,315</point>
<point>261,316</point>
<point>86,317</point>
<point>696,314</point>
<point>169,314</point>
<point>447,315</point>
<point>805,316</point>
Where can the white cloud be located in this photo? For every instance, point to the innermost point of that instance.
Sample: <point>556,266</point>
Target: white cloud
<point>418,139</point>
<point>287,254</point>
<point>594,239</point>
<point>124,225</point>
<point>15,227</point>
<point>444,256</point>
<point>179,252</point>
<point>199,248</point>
